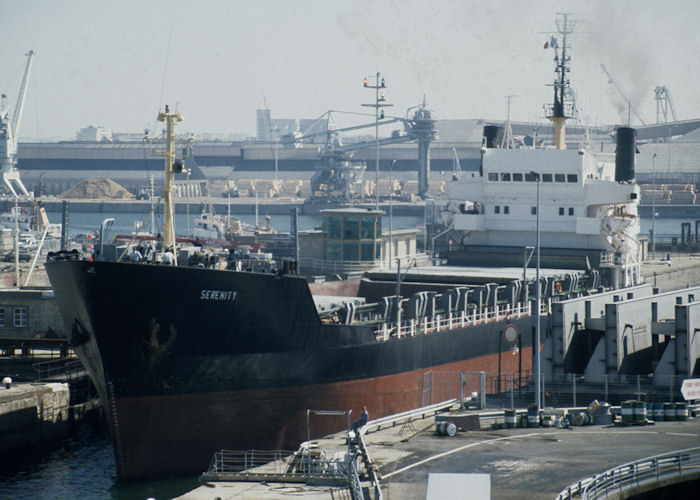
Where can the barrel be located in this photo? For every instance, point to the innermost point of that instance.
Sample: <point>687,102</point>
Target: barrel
<point>682,412</point>
<point>581,418</point>
<point>639,413</point>
<point>659,412</point>
<point>627,411</point>
<point>510,417</point>
<point>446,428</point>
<point>533,417</point>
<point>669,412</point>
<point>602,415</point>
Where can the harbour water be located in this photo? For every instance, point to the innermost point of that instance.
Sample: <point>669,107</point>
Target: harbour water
<point>82,467</point>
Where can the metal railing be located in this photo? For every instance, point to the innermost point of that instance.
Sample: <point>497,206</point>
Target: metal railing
<point>645,471</point>
<point>61,368</point>
<point>277,465</point>
<point>450,321</point>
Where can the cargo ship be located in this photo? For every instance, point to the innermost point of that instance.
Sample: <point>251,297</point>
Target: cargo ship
<point>189,360</point>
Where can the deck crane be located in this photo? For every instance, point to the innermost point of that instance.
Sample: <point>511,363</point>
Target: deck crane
<point>9,126</point>
<point>629,102</point>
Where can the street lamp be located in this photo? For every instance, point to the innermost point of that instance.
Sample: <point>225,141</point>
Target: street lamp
<point>653,208</point>
<point>379,102</point>
<point>391,211</point>
<point>538,379</point>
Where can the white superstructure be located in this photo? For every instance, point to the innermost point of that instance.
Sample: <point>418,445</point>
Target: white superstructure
<point>581,204</point>
<point>587,201</point>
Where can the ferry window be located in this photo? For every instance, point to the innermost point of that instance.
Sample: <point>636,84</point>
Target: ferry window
<point>559,178</point>
<point>506,209</point>
<point>351,228</point>
<point>367,228</point>
<point>497,209</point>
<point>505,177</point>
<point>493,177</point>
<point>333,250</point>
<point>571,210</point>
<point>20,317</point>
<point>530,177</point>
<point>571,178</point>
<point>367,251</point>
<point>334,224</point>
<point>561,210</point>
<point>2,316</point>
<point>518,177</point>
<point>351,251</point>
<point>533,210</point>
<point>546,177</point>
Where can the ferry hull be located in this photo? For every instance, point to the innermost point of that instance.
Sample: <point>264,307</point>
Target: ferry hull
<point>182,376</point>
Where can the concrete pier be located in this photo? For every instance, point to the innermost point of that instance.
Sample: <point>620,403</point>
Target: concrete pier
<point>33,414</point>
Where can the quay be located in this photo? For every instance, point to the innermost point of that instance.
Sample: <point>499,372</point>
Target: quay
<point>413,461</point>
<point>45,394</point>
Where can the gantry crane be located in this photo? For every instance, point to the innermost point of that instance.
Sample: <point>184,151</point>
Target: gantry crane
<point>9,126</point>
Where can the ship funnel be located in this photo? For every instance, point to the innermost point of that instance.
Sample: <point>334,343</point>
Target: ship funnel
<point>624,155</point>
<point>493,135</point>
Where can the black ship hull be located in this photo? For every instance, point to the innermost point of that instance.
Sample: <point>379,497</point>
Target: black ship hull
<point>188,361</point>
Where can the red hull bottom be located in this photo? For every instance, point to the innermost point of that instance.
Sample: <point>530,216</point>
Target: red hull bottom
<point>178,435</point>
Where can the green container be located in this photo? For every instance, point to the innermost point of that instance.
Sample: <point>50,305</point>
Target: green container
<point>669,412</point>
<point>658,412</point>
<point>681,412</point>
<point>639,413</point>
<point>627,411</point>
<point>510,418</point>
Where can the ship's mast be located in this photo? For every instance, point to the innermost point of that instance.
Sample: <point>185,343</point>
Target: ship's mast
<point>168,229</point>
<point>561,111</point>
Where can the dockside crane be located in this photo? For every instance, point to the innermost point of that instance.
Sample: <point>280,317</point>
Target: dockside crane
<point>664,103</point>
<point>337,171</point>
<point>9,126</point>
<point>630,108</point>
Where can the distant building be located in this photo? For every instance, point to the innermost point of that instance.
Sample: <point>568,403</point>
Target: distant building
<point>94,134</point>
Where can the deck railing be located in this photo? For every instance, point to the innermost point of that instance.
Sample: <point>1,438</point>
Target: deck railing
<point>413,327</point>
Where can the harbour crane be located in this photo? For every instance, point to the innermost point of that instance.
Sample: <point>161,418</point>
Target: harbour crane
<point>337,172</point>
<point>9,126</point>
<point>663,104</point>
<point>629,102</point>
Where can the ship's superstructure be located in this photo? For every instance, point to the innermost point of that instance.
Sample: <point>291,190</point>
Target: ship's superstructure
<point>587,201</point>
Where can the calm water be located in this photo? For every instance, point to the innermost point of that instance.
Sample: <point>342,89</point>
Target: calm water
<point>125,222</point>
<point>83,467</point>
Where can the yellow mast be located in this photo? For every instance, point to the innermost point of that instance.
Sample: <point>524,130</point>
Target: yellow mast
<point>168,229</point>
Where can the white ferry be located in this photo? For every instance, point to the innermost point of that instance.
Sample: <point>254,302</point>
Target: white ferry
<point>587,200</point>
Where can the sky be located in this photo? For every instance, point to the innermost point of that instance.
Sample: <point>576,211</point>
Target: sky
<point>116,63</point>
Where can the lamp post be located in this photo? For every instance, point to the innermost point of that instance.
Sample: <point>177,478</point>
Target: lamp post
<point>379,102</point>
<point>653,208</point>
<point>538,378</point>
<point>391,211</point>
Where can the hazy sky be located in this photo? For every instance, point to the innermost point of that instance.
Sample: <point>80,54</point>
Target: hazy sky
<point>115,63</point>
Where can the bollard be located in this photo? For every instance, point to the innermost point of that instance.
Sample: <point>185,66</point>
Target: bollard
<point>8,382</point>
